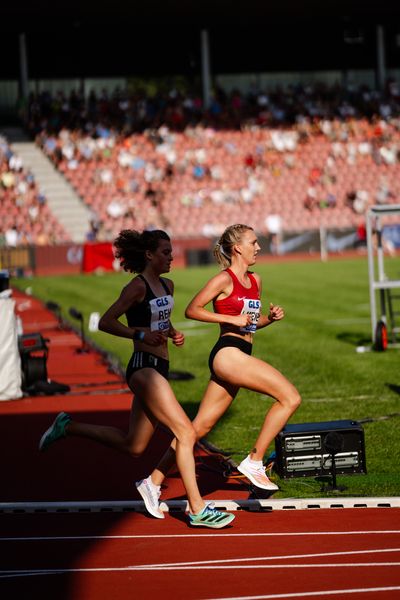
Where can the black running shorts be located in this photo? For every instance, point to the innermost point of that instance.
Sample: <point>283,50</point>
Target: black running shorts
<point>226,341</point>
<point>145,360</point>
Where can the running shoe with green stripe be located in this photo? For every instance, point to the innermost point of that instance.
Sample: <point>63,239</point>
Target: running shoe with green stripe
<point>211,517</point>
<point>55,431</point>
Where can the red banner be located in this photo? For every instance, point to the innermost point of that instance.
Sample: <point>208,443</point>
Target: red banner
<point>97,256</point>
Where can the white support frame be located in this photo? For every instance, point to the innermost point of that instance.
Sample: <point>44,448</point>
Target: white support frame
<point>381,283</point>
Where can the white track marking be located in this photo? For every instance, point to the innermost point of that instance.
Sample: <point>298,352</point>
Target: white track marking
<point>200,563</point>
<point>338,399</point>
<point>271,566</point>
<point>196,535</point>
<point>306,594</point>
<point>217,564</point>
<point>24,573</point>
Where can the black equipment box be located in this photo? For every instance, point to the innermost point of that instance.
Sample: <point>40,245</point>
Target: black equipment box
<point>307,449</point>
<point>34,352</point>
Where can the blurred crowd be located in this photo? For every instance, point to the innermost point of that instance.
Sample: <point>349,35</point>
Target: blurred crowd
<point>25,216</point>
<point>132,112</point>
<point>278,160</point>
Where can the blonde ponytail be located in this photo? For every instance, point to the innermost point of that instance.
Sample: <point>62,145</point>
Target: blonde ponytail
<point>223,248</point>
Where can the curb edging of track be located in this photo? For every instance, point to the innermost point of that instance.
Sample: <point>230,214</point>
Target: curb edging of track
<point>261,505</point>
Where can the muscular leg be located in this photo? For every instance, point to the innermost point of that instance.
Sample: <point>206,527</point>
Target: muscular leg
<point>215,402</point>
<point>141,428</point>
<point>242,370</point>
<point>157,395</point>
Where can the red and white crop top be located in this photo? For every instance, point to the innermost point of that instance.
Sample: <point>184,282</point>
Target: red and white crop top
<point>241,301</point>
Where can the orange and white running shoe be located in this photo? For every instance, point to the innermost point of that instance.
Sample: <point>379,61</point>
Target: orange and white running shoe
<point>256,474</point>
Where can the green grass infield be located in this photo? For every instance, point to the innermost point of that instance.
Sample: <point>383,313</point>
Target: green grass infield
<point>327,318</point>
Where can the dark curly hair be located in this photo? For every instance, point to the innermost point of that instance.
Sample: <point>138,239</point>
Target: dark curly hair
<point>130,247</point>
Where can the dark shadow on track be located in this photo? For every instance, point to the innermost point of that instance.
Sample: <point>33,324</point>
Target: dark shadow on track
<point>51,555</point>
<point>72,468</point>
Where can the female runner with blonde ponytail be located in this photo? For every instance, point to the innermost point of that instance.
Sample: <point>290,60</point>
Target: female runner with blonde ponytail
<point>236,296</point>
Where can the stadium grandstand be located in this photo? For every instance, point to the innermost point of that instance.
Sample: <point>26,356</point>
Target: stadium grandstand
<point>189,119</point>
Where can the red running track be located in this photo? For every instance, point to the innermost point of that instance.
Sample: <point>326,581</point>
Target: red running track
<point>342,553</point>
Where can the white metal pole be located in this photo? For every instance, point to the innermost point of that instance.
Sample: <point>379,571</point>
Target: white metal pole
<point>371,273</point>
<point>322,242</point>
<point>379,250</point>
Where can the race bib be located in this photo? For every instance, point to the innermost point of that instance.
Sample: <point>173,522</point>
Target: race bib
<point>161,309</point>
<point>252,308</point>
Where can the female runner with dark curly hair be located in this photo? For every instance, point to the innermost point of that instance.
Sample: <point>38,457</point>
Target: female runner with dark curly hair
<point>147,302</point>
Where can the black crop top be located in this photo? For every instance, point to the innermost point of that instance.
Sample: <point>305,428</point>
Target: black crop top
<point>154,311</point>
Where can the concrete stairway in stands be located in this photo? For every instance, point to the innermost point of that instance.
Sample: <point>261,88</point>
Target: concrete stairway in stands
<point>62,199</point>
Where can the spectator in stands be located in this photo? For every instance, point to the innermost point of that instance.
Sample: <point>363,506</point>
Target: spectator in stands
<point>350,198</point>
<point>115,209</point>
<point>310,201</point>
<point>361,236</point>
<point>273,223</point>
<point>12,237</point>
<point>315,176</point>
<point>361,202</point>
<point>94,228</point>
<point>383,194</point>
<point>331,200</point>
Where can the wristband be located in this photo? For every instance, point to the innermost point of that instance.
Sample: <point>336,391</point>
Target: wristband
<point>138,336</point>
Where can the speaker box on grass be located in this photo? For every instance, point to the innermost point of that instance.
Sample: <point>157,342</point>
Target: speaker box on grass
<point>305,450</point>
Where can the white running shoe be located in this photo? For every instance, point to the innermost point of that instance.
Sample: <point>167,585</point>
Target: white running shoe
<point>256,474</point>
<point>150,494</point>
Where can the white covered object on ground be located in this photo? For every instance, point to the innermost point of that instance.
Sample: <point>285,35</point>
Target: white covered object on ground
<point>10,361</point>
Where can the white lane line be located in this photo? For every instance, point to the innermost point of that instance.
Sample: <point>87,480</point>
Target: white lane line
<point>198,563</point>
<point>195,535</point>
<point>130,568</point>
<point>273,566</point>
<point>340,399</point>
<point>307,594</point>
<point>137,568</point>
<point>217,564</point>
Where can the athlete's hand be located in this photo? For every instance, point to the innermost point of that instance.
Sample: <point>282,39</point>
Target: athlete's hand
<point>154,338</point>
<point>276,313</point>
<point>241,320</point>
<point>177,338</point>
